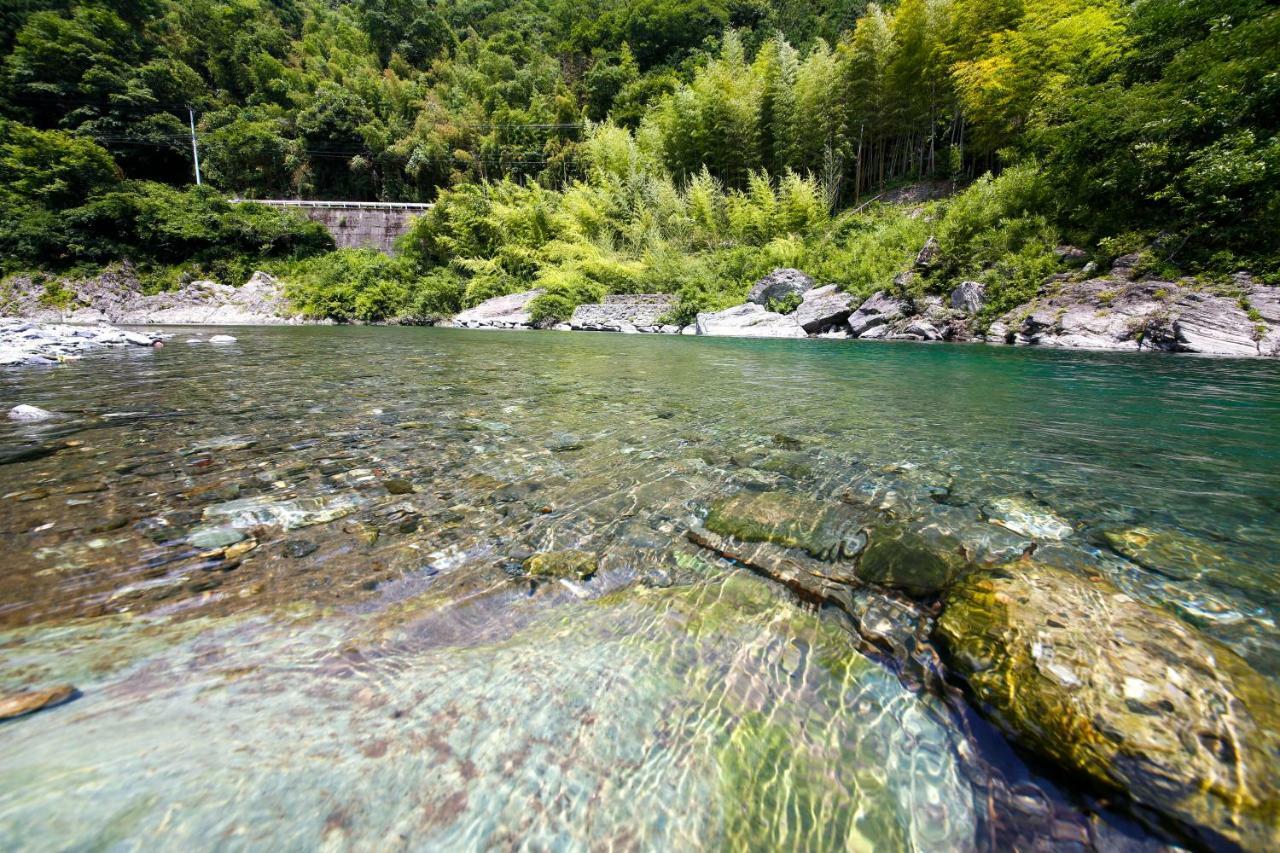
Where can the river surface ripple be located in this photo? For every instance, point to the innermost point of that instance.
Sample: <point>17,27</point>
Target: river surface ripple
<point>284,575</point>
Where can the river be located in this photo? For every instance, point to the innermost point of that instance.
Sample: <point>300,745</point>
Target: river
<point>288,578</point>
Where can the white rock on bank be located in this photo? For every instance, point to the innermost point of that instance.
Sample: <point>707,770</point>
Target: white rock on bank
<point>749,321</point>
<point>501,312</point>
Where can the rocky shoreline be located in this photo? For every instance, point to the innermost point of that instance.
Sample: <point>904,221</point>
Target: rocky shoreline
<point>1074,310</point>
<point>1121,310</point>
<point>116,297</point>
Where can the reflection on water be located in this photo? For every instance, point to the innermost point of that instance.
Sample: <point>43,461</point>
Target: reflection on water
<point>286,576</point>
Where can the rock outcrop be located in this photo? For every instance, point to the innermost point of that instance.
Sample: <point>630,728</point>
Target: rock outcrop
<point>643,312</point>
<point>969,297</point>
<point>116,296</point>
<point>1117,313</point>
<point>778,285</point>
<point>749,321</point>
<point>501,312</point>
<point>879,309</point>
<point>1124,694</point>
<point>929,255</point>
<point>824,309</point>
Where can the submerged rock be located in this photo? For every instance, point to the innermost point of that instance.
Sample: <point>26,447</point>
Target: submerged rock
<point>561,564</point>
<point>291,515</point>
<point>28,702</point>
<point>826,532</point>
<point>1123,693</point>
<point>208,538</point>
<point>30,413</point>
<point>1026,517</point>
<point>296,549</point>
<point>905,560</point>
<point>748,321</point>
<point>1182,556</point>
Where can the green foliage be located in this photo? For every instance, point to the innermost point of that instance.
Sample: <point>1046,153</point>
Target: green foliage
<point>350,284</point>
<point>51,168</point>
<point>591,146</point>
<point>785,304</point>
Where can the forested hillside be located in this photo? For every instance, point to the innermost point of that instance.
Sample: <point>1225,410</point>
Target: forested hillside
<point>625,145</point>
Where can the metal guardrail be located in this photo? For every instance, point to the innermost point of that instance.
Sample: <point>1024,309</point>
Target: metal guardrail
<point>341,205</point>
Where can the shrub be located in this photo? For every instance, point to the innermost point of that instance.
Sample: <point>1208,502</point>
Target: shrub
<point>351,284</point>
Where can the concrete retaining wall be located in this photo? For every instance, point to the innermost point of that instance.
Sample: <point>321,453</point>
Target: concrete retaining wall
<point>358,224</point>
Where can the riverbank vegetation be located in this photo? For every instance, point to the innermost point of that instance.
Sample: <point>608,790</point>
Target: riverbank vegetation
<point>686,146</point>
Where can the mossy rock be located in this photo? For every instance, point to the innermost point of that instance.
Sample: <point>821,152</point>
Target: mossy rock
<point>827,532</point>
<point>1179,555</point>
<point>1122,693</point>
<point>561,564</point>
<point>907,561</point>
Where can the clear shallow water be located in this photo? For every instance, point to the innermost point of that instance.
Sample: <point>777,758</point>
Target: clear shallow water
<point>375,673</point>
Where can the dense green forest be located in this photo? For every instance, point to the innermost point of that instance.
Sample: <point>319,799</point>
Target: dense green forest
<point>593,146</point>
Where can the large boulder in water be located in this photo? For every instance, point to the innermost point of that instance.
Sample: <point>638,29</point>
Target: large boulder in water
<point>1124,694</point>
<point>779,284</point>
<point>749,321</point>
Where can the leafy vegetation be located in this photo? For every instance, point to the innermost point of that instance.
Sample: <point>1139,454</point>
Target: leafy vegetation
<point>597,146</point>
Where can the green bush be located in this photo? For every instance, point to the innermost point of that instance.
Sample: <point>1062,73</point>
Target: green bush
<point>436,295</point>
<point>351,284</point>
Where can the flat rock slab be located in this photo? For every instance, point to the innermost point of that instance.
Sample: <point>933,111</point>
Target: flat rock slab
<point>501,312</point>
<point>1124,694</point>
<point>749,321</point>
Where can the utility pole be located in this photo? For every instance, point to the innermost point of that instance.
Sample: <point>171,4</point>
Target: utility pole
<point>195,152</point>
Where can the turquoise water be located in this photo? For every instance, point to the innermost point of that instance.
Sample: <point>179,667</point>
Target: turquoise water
<point>367,666</point>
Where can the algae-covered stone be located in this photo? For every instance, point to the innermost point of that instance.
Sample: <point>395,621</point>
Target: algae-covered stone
<point>1180,555</point>
<point>1123,693</point>
<point>906,560</point>
<point>561,564</point>
<point>827,532</point>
